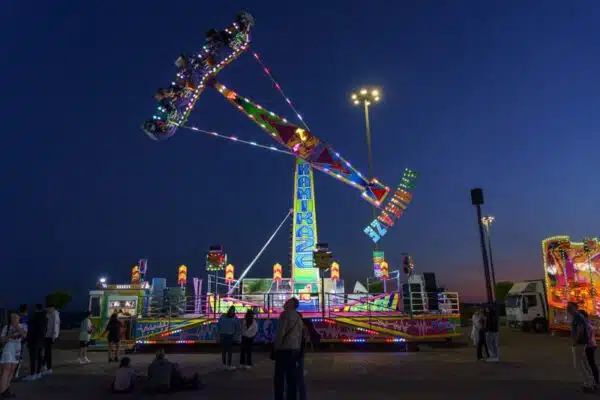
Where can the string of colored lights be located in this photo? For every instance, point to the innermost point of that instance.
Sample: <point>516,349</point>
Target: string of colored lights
<point>279,89</point>
<point>237,140</point>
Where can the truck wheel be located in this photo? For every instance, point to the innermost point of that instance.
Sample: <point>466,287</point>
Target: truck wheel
<point>539,326</point>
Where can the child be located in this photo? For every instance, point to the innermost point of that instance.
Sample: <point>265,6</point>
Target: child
<point>85,334</point>
<point>124,377</point>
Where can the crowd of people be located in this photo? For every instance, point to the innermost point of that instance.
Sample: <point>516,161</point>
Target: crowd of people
<point>583,342</point>
<point>291,337</point>
<point>38,332</point>
<point>485,334</point>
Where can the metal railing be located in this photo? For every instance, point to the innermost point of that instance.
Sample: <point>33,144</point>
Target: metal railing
<point>267,305</point>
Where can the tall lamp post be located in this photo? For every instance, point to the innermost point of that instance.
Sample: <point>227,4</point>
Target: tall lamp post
<point>477,201</point>
<point>487,222</point>
<point>367,97</point>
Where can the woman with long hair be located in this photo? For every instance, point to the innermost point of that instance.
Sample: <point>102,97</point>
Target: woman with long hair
<point>249,330</point>
<point>228,328</point>
<point>113,328</point>
<point>12,335</point>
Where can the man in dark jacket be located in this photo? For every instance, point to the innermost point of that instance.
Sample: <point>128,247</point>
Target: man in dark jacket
<point>36,332</point>
<point>491,333</point>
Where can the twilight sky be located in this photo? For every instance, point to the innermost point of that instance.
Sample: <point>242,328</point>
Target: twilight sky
<point>501,95</point>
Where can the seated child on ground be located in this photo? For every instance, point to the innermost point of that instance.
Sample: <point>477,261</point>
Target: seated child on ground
<point>124,377</point>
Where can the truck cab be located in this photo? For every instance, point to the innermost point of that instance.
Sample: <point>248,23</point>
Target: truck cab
<point>527,307</point>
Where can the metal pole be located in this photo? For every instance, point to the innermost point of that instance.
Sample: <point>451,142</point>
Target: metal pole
<point>370,151</point>
<point>492,270</point>
<point>486,267</point>
<point>592,291</point>
<point>368,129</point>
<point>322,292</point>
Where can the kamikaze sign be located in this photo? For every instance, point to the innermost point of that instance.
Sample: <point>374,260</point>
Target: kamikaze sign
<point>394,208</point>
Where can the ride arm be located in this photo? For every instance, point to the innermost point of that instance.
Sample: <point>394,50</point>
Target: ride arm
<point>303,144</point>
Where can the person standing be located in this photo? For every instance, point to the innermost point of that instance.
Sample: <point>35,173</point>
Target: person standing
<point>24,319</point>
<point>491,334</point>
<point>249,330</point>
<point>300,371</point>
<point>52,332</point>
<point>478,334</point>
<point>580,340</point>
<point>228,328</point>
<point>590,348</point>
<point>85,334</point>
<point>113,328</point>
<point>287,348</point>
<point>36,332</point>
<point>12,336</point>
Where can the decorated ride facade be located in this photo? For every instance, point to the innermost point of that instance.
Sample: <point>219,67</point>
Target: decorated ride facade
<point>571,274</point>
<point>153,313</point>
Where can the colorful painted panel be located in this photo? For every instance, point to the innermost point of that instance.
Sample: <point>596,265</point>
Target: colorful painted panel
<point>419,327</point>
<point>572,273</point>
<point>223,303</point>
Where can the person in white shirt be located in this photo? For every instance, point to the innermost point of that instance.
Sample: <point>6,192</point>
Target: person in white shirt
<point>249,330</point>
<point>288,346</point>
<point>52,331</point>
<point>85,334</point>
<point>12,336</point>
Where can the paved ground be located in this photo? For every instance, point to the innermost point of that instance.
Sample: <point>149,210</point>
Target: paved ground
<point>533,367</point>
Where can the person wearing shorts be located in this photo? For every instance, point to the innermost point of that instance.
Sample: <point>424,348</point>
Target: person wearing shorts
<point>113,328</point>
<point>12,336</point>
<point>85,334</point>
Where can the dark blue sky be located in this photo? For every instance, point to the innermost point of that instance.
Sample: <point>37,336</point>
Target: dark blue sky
<point>497,94</point>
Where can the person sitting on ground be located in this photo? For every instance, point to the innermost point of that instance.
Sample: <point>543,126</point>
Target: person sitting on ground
<point>124,377</point>
<point>159,373</point>
<point>165,376</point>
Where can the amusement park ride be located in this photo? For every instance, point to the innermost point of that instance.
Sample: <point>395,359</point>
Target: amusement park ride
<point>164,315</point>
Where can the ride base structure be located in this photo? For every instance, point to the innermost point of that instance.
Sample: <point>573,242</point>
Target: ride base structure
<point>154,314</point>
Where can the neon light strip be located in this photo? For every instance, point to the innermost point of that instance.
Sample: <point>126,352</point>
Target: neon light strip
<point>278,87</point>
<point>235,139</point>
<point>395,207</point>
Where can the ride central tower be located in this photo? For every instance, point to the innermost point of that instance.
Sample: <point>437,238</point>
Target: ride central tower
<point>305,276</point>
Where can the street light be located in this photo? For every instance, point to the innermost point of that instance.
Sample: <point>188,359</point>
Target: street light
<point>487,222</point>
<point>102,281</point>
<point>366,97</point>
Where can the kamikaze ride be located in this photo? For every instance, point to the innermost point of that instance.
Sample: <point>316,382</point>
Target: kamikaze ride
<point>197,72</point>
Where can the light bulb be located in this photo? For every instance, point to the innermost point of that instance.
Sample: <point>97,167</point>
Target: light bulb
<point>363,91</point>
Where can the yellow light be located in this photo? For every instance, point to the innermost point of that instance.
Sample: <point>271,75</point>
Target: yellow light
<point>363,91</point>
<point>354,96</point>
<point>376,98</point>
<point>375,93</point>
<point>356,102</point>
